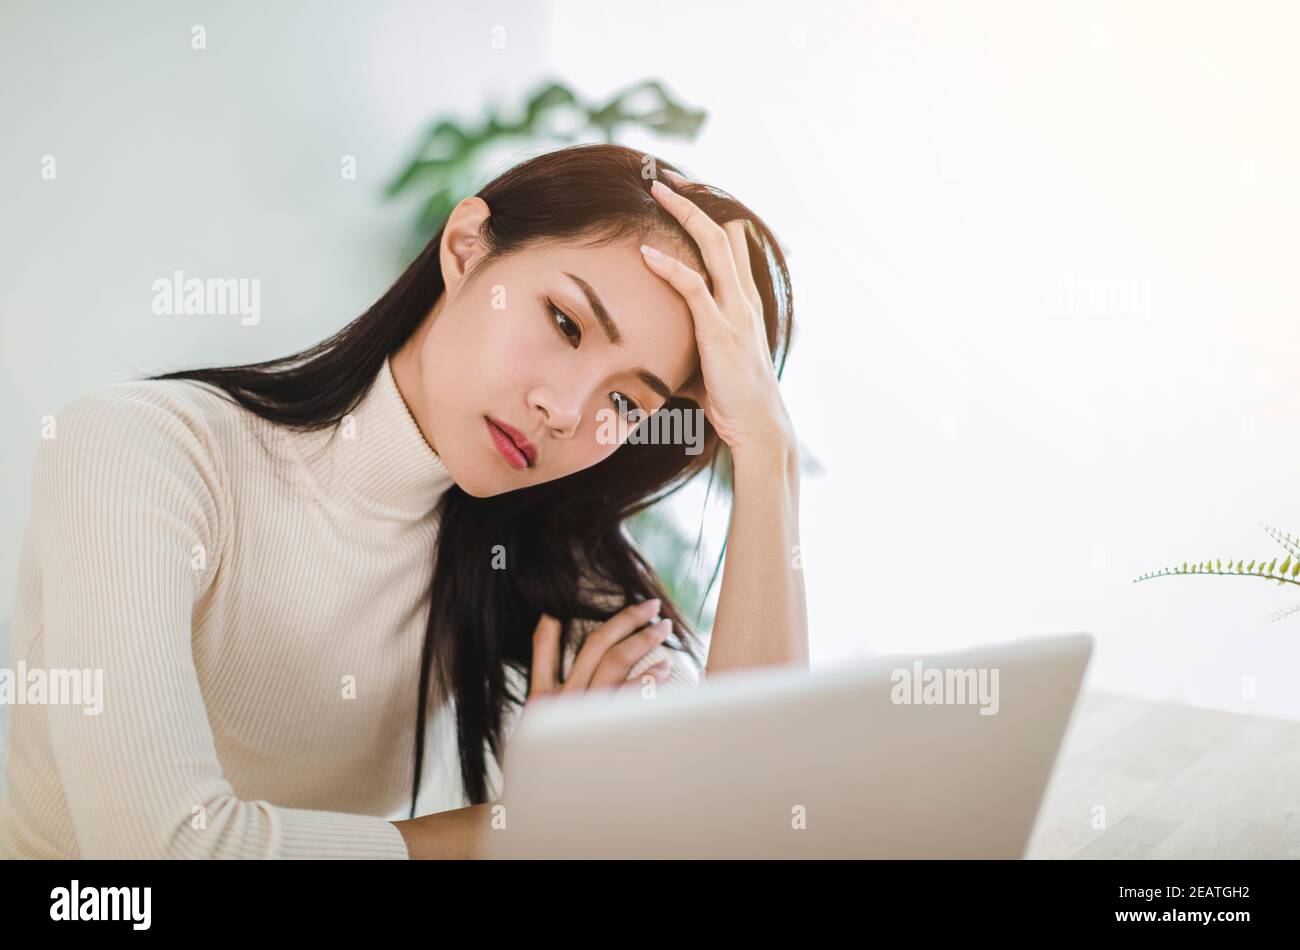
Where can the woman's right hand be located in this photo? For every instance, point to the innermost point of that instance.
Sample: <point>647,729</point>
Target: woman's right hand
<point>606,656</point>
<point>604,660</point>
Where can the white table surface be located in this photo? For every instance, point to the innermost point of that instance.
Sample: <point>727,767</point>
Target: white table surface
<point>1174,781</point>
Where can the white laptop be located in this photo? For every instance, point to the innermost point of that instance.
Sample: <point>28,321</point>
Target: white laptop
<point>901,756</point>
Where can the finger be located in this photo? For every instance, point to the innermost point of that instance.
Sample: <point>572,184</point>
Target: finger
<point>659,672</point>
<point>604,637</point>
<point>708,319</point>
<point>708,235</point>
<point>546,656</point>
<point>737,234</point>
<point>619,659</point>
<point>676,179</point>
<point>662,670</point>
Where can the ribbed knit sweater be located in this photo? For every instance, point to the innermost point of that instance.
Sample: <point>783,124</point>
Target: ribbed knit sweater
<point>256,598</point>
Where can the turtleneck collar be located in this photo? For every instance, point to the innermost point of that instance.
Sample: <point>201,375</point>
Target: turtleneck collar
<point>377,457</point>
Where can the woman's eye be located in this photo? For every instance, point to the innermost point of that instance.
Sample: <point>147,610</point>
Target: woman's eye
<point>561,320</point>
<point>572,332</point>
<point>625,405</point>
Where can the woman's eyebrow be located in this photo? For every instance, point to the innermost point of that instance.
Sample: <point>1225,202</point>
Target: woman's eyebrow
<point>615,337</point>
<point>602,315</point>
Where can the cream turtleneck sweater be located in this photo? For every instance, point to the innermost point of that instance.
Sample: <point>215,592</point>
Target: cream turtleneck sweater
<point>256,599</point>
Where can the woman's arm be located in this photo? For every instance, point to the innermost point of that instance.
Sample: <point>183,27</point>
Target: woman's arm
<point>762,610</point>
<point>121,501</point>
<point>454,834</point>
<point>762,616</point>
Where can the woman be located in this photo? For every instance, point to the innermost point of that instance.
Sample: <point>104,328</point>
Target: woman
<point>261,557</point>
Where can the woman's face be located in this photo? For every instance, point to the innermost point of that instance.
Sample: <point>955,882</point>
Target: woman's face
<point>619,339</point>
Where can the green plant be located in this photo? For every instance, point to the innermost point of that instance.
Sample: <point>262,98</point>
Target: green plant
<point>452,158</point>
<point>1288,572</point>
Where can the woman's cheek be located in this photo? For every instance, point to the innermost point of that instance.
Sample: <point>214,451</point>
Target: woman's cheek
<point>517,353</point>
<point>601,451</point>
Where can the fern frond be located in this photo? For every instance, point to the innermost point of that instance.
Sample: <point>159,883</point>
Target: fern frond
<point>1287,573</point>
<point>1292,545</point>
<point>1284,612</point>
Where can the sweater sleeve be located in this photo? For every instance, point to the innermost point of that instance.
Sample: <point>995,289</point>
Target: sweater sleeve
<point>127,511</point>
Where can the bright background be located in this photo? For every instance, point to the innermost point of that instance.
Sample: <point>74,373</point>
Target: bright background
<point>1043,257</point>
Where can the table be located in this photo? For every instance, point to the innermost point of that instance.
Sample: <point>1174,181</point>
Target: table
<point>1143,779</point>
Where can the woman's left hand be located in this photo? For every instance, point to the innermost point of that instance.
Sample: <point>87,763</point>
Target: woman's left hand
<point>739,391</point>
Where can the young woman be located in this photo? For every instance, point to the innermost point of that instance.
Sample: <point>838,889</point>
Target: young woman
<point>274,565</point>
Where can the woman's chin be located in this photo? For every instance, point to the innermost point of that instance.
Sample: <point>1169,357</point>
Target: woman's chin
<point>478,483</point>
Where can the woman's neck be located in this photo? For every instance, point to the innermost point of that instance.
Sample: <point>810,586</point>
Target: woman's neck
<point>408,373</point>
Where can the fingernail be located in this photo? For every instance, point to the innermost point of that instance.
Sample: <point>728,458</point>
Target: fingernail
<point>663,189</point>
<point>652,602</point>
<point>651,253</point>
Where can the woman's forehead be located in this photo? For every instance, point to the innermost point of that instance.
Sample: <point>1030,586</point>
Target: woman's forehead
<point>646,312</point>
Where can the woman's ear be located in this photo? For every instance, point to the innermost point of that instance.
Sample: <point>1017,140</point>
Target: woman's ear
<point>461,245</point>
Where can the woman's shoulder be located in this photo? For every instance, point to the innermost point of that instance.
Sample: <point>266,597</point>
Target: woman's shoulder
<point>145,407</point>
<point>162,423</point>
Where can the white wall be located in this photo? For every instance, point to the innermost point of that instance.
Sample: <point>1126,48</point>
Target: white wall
<point>1044,271</point>
<point>224,162</point>
<point>954,183</point>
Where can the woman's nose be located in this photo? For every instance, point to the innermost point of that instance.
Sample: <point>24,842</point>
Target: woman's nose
<point>563,414</point>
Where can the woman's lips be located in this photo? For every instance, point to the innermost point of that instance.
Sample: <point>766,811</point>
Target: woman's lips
<point>512,444</point>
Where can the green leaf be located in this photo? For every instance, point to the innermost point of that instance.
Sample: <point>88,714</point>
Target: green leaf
<point>452,158</point>
<point>548,97</point>
<point>419,169</point>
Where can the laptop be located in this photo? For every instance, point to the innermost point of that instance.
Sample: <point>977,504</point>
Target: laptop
<point>901,756</point>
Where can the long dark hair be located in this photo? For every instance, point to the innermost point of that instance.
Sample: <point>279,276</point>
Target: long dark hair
<point>568,551</point>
